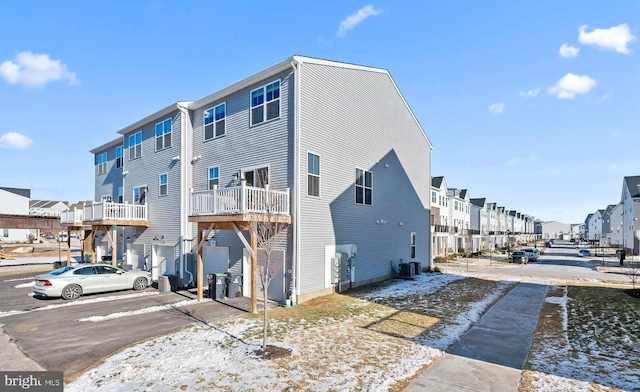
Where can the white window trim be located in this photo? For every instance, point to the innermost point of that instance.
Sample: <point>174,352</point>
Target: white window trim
<point>155,137</point>
<point>133,200</point>
<point>264,104</point>
<point>160,184</point>
<point>135,145</point>
<point>104,166</point>
<point>253,168</point>
<point>204,134</point>
<point>355,185</point>
<point>209,178</point>
<point>121,157</point>
<point>319,174</point>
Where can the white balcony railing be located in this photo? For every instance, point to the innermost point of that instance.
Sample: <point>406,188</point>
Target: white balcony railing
<point>239,200</point>
<point>75,215</point>
<point>115,212</point>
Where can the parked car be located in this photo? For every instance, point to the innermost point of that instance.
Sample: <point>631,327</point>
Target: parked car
<point>519,256</point>
<point>70,282</point>
<point>532,253</point>
<point>584,252</point>
<point>48,235</point>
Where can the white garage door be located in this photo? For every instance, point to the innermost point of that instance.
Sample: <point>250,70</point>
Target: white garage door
<point>164,262</point>
<point>136,256</point>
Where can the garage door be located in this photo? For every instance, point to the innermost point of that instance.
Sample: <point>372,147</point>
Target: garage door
<point>136,256</point>
<point>164,261</point>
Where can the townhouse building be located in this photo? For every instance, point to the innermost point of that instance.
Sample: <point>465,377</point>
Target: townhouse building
<point>441,232</point>
<point>630,200</point>
<point>332,149</point>
<point>14,201</point>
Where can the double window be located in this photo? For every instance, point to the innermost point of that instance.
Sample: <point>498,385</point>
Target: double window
<point>135,145</point>
<point>163,135</point>
<point>364,187</point>
<point>214,176</point>
<point>163,184</point>
<point>313,174</point>
<point>102,163</point>
<point>265,103</point>
<point>118,157</point>
<point>214,121</point>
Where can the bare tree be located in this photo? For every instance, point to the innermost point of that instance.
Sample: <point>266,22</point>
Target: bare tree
<point>271,232</point>
<point>632,270</point>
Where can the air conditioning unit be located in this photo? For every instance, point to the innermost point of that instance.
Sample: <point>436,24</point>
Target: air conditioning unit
<point>407,271</point>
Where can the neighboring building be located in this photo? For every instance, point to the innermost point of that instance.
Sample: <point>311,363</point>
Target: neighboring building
<point>14,201</point>
<point>630,200</point>
<point>441,232</point>
<point>336,143</point>
<point>47,207</point>
<point>595,226</point>
<point>587,225</point>
<point>460,212</point>
<point>615,225</point>
<point>553,229</point>
<point>605,237</point>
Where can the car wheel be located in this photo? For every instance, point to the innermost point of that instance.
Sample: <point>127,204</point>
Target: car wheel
<point>140,284</point>
<point>73,291</point>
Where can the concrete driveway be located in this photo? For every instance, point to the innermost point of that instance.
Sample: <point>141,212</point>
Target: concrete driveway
<point>57,335</point>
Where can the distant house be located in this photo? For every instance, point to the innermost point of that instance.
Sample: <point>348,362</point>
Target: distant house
<point>615,225</point>
<point>47,207</point>
<point>605,238</point>
<point>553,229</point>
<point>630,200</point>
<point>14,201</point>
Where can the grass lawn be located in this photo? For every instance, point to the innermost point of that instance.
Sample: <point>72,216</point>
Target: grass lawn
<point>588,339</point>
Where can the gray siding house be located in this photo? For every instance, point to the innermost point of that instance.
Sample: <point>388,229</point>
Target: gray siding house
<point>337,141</point>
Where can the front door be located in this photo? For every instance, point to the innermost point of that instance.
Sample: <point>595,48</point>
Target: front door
<point>258,177</point>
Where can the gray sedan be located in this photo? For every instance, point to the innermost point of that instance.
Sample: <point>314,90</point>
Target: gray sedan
<point>70,282</point>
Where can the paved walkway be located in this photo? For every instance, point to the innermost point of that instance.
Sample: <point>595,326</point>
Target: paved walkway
<point>491,355</point>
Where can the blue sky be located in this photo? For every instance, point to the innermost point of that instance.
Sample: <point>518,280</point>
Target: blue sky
<point>533,105</point>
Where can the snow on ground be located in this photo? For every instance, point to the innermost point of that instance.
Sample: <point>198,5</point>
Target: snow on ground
<point>23,285</point>
<point>80,302</point>
<point>326,353</point>
<point>150,309</point>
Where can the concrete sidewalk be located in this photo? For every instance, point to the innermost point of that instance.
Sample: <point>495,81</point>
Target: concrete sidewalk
<point>490,356</point>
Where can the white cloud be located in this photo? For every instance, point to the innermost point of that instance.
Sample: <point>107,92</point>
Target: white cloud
<point>356,18</point>
<point>614,38</point>
<point>571,85</point>
<point>604,98</point>
<point>530,93</point>
<point>497,108</point>
<point>568,51</point>
<point>35,70</point>
<point>14,140</point>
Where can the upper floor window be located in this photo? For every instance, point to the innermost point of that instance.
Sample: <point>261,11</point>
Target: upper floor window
<point>163,184</point>
<point>118,157</point>
<point>214,121</point>
<point>433,196</point>
<point>258,177</point>
<point>163,134</point>
<point>313,174</point>
<point>140,195</point>
<point>214,177</point>
<point>102,163</point>
<point>364,187</point>
<point>265,103</point>
<point>135,145</point>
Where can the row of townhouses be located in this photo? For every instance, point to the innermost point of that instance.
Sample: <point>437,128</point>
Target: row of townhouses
<point>461,224</point>
<point>617,225</point>
<point>336,149</point>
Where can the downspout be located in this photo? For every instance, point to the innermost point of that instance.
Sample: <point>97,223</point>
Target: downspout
<point>184,189</point>
<point>297,66</point>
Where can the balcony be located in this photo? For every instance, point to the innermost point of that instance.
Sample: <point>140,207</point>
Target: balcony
<point>240,203</point>
<point>106,213</point>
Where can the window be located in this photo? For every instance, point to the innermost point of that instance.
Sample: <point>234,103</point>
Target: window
<point>102,163</point>
<point>162,184</point>
<point>214,123</point>
<point>455,205</point>
<point>118,157</point>
<point>163,135</point>
<point>214,177</point>
<point>313,174</point>
<point>120,195</point>
<point>364,187</point>
<point>135,145</point>
<point>139,195</point>
<point>257,177</point>
<point>413,245</point>
<point>265,103</point>
<point>433,196</point>
<point>5,233</point>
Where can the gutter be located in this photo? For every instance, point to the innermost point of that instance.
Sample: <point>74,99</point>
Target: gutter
<point>295,273</point>
<point>184,191</point>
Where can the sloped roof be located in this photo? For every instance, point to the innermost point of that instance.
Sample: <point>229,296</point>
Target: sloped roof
<point>463,193</point>
<point>437,181</point>
<point>18,191</point>
<point>633,182</point>
<point>480,202</point>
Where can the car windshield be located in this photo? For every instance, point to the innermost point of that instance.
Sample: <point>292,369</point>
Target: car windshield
<point>61,270</point>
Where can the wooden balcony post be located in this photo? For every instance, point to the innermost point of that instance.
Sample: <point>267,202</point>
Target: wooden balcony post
<point>68,245</point>
<point>200,268</point>
<point>254,271</point>
<point>114,244</point>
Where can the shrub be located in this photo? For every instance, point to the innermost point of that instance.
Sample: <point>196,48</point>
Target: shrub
<point>437,259</point>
